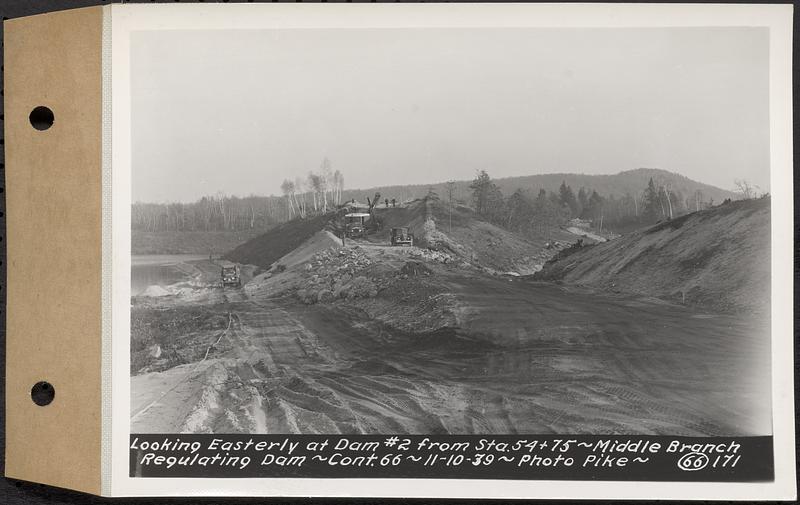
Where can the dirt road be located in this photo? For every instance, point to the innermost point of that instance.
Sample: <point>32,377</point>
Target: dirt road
<point>524,358</point>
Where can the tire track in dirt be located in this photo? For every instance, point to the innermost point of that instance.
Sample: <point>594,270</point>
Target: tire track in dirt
<point>262,349</point>
<point>524,359</point>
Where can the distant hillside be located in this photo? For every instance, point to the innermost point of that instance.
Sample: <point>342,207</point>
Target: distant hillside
<point>717,258</point>
<point>628,182</point>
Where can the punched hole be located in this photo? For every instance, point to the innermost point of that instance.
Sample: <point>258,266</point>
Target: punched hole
<point>43,393</point>
<point>41,118</point>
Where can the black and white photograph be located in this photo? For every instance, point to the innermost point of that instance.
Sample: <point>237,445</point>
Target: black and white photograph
<point>463,251</point>
<point>451,231</point>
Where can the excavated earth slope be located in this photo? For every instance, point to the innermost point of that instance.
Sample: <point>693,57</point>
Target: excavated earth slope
<point>717,259</point>
<point>369,338</point>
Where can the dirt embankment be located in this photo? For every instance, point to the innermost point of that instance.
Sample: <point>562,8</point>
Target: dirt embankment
<point>269,247</point>
<point>463,233</point>
<point>370,338</point>
<point>457,231</point>
<point>403,286</point>
<point>717,259</point>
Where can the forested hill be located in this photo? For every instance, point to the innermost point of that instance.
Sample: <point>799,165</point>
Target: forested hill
<point>629,182</point>
<point>619,198</point>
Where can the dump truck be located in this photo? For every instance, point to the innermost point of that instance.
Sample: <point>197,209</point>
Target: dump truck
<point>231,276</point>
<point>401,236</point>
<point>356,224</point>
<point>359,224</point>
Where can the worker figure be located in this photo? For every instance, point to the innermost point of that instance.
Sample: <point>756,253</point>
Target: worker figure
<point>393,202</point>
<point>343,234</point>
<point>387,203</point>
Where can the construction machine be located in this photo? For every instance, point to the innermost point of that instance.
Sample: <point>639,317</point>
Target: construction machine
<point>231,276</point>
<point>356,224</point>
<point>401,236</point>
<point>374,202</point>
<point>359,224</point>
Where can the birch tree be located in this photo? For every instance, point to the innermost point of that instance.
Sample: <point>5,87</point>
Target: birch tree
<point>288,190</point>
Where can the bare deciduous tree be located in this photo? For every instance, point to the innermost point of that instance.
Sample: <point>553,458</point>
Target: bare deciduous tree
<point>338,185</point>
<point>451,188</point>
<point>299,186</point>
<point>669,200</point>
<point>288,190</point>
<point>744,188</point>
<point>698,197</point>
<point>314,185</point>
<point>325,182</point>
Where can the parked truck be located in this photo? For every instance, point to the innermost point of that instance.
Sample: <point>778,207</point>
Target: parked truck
<point>360,224</point>
<point>356,224</point>
<point>401,236</point>
<point>231,276</point>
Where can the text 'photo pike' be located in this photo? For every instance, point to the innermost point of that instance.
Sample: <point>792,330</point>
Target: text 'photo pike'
<point>421,231</point>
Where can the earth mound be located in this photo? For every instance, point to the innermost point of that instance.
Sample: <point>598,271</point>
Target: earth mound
<point>269,247</point>
<point>717,258</point>
<point>460,231</point>
<point>438,226</point>
<point>414,268</point>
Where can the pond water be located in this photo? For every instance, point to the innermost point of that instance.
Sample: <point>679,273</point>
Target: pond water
<point>160,270</point>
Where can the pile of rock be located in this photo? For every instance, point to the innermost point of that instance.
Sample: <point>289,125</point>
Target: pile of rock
<point>431,255</point>
<point>414,268</point>
<point>337,273</point>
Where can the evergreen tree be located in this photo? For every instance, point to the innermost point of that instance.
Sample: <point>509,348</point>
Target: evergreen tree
<point>542,196</point>
<point>651,204</point>
<point>496,210</point>
<point>583,203</point>
<point>554,199</point>
<point>567,198</point>
<point>520,211</point>
<point>481,191</point>
<point>595,206</point>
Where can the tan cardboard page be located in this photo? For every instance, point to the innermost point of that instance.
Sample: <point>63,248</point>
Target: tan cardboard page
<point>54,248</point>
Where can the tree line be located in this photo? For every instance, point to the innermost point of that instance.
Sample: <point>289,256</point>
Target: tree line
<point>314,194</point>
<point>317,188</point>
<point>211,213</point>
<point>526,211</point>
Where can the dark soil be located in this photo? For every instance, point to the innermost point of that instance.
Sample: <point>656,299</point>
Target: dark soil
<point>717,259</point>
<point>268,248</point>
<point>413,268</point>
<point>172,330</point>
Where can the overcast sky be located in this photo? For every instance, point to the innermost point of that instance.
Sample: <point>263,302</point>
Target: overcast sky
<point>239,111</point>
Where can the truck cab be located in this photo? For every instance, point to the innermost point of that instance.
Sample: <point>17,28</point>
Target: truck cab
<point>356,224</point>
<point>231,276</point>
<point>401,236</point>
